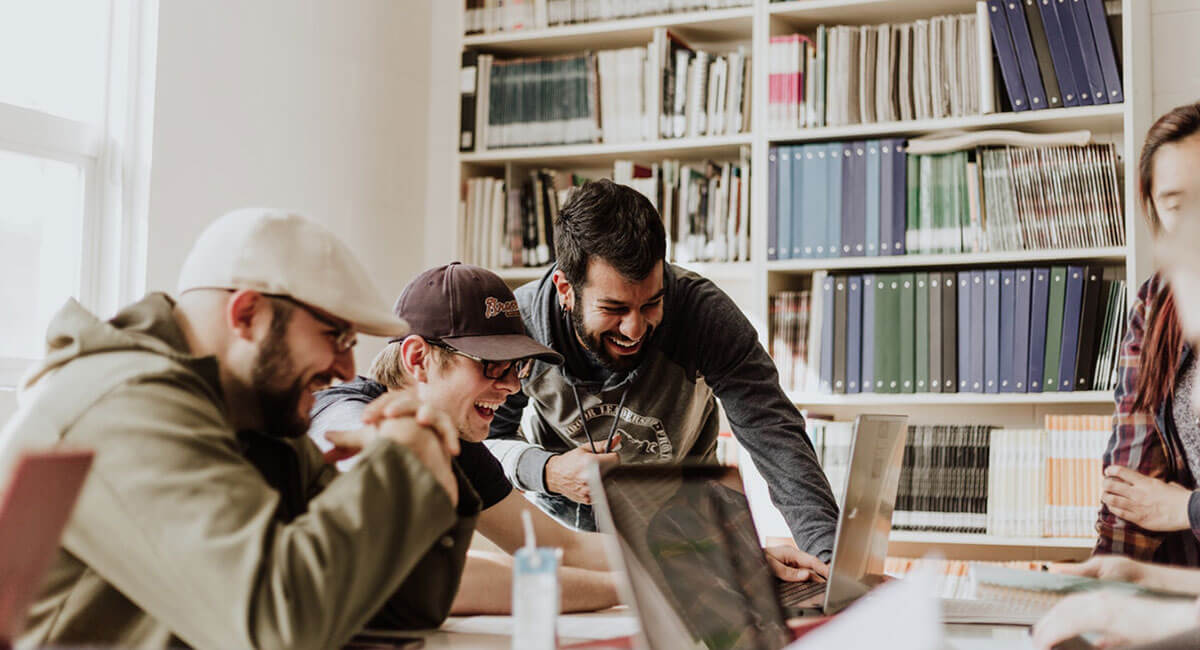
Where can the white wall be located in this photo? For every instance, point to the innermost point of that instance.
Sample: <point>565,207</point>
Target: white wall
<point>313,105</point>
<point>1175,24</point>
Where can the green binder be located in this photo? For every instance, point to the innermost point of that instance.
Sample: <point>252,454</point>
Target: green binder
<point>887,350</point>
<point>907,324</point>
<point>1054,321</point>
<point>922,334</point>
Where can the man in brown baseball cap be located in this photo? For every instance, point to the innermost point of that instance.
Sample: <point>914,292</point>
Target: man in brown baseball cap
<point>465,354</point>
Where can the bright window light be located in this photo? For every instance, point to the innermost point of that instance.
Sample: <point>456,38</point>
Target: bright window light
<point>41,224</point>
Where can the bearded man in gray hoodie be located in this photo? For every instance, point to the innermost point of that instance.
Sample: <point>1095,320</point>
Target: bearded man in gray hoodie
<point>649,348</point>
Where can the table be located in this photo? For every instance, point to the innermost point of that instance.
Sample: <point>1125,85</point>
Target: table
<point>492,632</point>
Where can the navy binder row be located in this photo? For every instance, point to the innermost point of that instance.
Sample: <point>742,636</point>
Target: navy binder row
<point>1055,53</point>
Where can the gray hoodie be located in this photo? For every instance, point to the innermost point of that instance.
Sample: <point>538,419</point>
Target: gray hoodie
<point>704,348</point>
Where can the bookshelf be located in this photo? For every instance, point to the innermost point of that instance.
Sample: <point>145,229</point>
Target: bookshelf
<point>752,283</point>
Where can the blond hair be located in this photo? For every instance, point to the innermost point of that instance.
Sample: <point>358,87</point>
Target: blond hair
<point>388,366</point>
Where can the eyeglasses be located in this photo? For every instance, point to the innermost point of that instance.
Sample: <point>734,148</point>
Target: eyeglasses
<point>494,370</point>
<point>344,337</point>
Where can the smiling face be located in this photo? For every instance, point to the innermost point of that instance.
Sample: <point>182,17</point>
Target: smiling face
<point>457,386</point>
<point>297,357</point>
<point>614,316</point>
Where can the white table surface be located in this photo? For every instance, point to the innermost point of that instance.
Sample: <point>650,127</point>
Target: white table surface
<point>618,620</point>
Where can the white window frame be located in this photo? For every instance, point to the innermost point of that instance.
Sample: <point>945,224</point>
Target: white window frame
<point>115,158</point>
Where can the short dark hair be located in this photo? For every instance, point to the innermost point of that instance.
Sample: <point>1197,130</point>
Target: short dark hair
<point>615,223</point>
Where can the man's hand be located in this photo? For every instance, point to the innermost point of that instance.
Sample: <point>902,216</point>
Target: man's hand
<point>1106,567</point>
<point>567,474</point>
<point>400,404</point>
<point>1118,618</point>
<point>791,564</point>
<point>1148,502</point>
<point>428,445</point>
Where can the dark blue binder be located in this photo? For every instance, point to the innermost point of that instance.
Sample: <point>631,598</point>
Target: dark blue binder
<point>785,202</point>
<point>1039,305</point>
<point>1105,48</point>
<point>1008,308</point>
<point>827,309</point>
<point>1070,327</point>
<point>978,331</point>
<point>1067,81</point>
<point>887,178</point>
<point>850,188</point>
<point>799,202</point>
<point>833,164</point>
<point>950,332</point>
<point>867,379</point>
<point>964,331</point>
<point>772,204</point>
<point>1070,33</point>
<point>991,331</point>
<point>899,206</point>
<point>1020,353</point>
<point>854,333</point>
<point>1031,77</point>
<point>1087,45</point>
<point>1010,69</point>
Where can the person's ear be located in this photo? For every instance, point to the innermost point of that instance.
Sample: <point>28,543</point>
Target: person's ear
<point>416,356</point>
<point>247,313</point>
<point>566,293</point>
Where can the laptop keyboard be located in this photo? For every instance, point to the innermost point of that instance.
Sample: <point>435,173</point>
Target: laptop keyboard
<point>793,594</point>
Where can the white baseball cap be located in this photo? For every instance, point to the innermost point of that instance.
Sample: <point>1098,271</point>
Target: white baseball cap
<point>277,252</point>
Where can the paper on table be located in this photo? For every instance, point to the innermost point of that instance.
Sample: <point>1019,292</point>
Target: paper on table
<point>584,626</point>
<point>900,615</point>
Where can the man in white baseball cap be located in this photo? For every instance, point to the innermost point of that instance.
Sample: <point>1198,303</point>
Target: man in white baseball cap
<point>209,518</point>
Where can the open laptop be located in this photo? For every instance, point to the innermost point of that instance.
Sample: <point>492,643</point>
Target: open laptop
<point>34,510</point>
<point>694,569</point>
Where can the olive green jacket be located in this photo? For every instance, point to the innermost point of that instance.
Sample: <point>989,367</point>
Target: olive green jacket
<point>189,533</point>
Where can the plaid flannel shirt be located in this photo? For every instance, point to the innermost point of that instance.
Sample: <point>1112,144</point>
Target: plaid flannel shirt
<point>1140,443</point>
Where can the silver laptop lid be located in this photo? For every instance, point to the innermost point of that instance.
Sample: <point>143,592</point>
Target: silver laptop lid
<point>695,574</point>
<point>865,523</point>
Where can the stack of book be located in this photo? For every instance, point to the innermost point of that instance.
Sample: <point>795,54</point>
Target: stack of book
<point>877,73</point>
<point>871,198</point>
<point>986,480</point>
<point>1055,53</point>
<point>1047,482</point>
<point>973,331</point>
<point>705,207</point>
<point>957,579</point>
<point>489,16</point>
<point>944,480</point>
<point>666,89</point>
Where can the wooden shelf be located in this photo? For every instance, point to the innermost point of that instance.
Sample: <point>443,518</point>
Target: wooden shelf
<point>1098,119</point>
<point>596,154</point>
<point>721,25</point>
<point>966,539</point>
<point>1114,254</point>
<point>950,399</point>
<point>864,12</point>
<point>521,273</point>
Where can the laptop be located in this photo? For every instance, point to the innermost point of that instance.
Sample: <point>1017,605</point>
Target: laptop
<point>693,566</point>
<point>34,510</point>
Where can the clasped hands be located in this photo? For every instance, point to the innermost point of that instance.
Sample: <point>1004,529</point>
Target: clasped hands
<point>402,418</point>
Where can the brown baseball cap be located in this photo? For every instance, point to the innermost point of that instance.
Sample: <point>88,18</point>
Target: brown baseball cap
<point>470,309</point>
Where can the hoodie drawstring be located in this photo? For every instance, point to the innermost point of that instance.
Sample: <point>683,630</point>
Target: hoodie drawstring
<point>583,419</point>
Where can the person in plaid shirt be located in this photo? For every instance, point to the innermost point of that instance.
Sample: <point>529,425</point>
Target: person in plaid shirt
<point>1151,508</point>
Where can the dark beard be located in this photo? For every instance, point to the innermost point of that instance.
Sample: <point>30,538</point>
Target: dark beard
<point>594,343</point>
<point>273,366</point>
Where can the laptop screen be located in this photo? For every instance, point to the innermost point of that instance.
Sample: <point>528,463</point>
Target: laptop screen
<point>693,557</point>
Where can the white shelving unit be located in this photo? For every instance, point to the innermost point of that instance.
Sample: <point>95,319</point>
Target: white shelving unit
<point>751,283</point>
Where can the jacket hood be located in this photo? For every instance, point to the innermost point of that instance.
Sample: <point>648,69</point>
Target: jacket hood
<point>148,325</point>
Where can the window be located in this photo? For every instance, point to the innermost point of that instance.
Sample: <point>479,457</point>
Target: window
<point>76,109</point>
